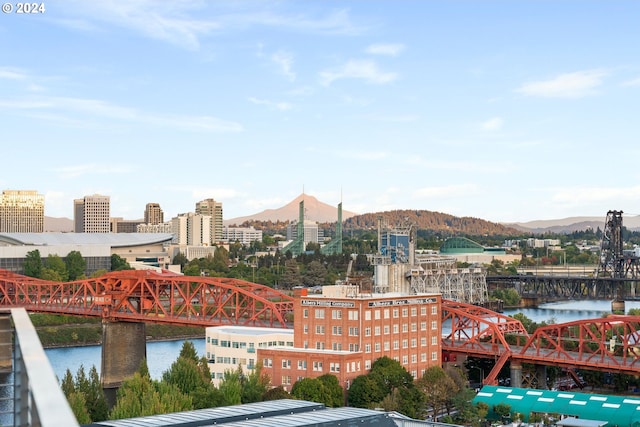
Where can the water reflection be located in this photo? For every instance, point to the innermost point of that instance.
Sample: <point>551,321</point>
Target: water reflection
<point>6,399</point>
<point>160,356</point>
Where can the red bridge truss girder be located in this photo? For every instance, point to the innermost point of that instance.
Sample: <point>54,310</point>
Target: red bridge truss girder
<point>148,296</point>
<point>610,344</point>
<point>477,331</point>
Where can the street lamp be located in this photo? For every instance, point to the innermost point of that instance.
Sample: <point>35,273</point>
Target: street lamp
<point>481,373</point>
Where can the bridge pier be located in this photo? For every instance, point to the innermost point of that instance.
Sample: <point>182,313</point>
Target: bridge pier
<point>6,346</point>
<point>124,347</point>
<point>541,375</point>
<point>516,374</point>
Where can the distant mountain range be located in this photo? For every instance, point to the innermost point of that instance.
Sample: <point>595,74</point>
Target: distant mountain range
<point>569,225</point>
<point>315,210</point>
<point>318,211</point>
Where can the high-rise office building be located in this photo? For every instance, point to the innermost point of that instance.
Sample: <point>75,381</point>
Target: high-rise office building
<point>91,214</point>
<point>153,214</point>
<point>192,229</point>
<point>21,211</point>
<point>213,209</point>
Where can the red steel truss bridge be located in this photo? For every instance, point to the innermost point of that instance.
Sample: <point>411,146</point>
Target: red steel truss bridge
<point>610,344</point>
<point>147,296</point>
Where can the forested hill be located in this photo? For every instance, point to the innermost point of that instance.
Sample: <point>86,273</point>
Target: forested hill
<point>428,220</point>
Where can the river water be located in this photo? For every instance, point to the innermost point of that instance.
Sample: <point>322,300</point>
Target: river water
<point>160,355</point>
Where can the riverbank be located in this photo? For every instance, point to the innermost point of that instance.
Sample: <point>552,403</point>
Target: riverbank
<point>57,331</point>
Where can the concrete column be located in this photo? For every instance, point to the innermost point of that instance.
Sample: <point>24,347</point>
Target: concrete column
<point>6,343</point>
<point>516,374</point>
<point>541,375</point>
<point>123,348</point>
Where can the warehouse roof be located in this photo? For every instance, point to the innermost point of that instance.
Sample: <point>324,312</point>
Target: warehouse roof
<point>277,413</point>
<point>602,409</point>
<point>114,240</point>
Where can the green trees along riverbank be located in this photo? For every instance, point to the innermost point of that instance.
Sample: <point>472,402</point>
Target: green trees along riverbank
<point>68,331</point>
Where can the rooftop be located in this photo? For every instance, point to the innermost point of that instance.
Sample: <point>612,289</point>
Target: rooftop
<point>56,238</point>
<point>248,330</point>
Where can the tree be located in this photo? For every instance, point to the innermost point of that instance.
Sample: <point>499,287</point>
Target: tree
<point>254,385</point>
<point>386,375</point>
<point>139,395</point>
<point>291,276</point>
<point>335,393</point>
<point>180,259</point>
<point>314,274</point>
<point>57,267</point>
<point>76,265</point>
<point>364,392</point>
<point>32,266</point>
<point>276,393</point>
<point>311,389</point>
<point>231,387</point>
<point>118,263</point>
<point>95,397</point>
<point>503,410</point>
<point>79,407</point>
<point>438,388</point>
<point>192,377</point>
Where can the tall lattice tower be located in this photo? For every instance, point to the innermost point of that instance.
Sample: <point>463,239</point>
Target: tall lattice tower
<point>611,254</point>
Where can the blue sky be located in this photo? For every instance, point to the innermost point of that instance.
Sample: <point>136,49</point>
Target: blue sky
<point>501,110</point>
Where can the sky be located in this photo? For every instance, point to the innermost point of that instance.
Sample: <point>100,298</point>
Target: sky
<point>508,111</point>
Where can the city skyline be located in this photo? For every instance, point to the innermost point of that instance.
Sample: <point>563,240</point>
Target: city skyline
<point>504,111</point>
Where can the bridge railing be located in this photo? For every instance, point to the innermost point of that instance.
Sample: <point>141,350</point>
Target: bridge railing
<point>38,400</point>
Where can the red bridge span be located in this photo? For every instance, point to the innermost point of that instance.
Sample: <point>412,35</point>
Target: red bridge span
<point>130,297</point>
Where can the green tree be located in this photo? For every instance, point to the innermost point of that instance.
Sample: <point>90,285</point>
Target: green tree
<point>57,265</point>
<point>365,392</point>
<point>503,410</point>
<point>291,276</point>
<point>254,385</point>
<point>311,389</point>
<point>192,377</point>
<point>51,275</point>
<point>139,396</point>
<point>79,407</point>
<point>180,259</point>
<point>335,392</point>
<point>276,393</point>
<point>231,386</point>
<point>32,266</point>
<point>76,265</point>
<point>315,274</point>
<point>118,263</point>
<point>94,397</point>
<point>438,388</point>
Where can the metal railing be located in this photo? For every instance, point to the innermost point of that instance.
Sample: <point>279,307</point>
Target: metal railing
<point>38,400</point>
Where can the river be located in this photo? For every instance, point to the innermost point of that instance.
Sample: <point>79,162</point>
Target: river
<point>161,354</point>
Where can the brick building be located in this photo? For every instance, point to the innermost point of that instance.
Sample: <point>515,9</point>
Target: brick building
<point>343,332</point>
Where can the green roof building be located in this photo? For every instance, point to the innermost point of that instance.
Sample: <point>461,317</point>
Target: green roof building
<point>589,409</point>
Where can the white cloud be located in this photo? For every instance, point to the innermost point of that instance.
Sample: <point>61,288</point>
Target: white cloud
<point>633,82</point>
<point>185,23</point>
<point>168,21</point>
<point>282,106</point>
<point>357,69</point>
<point>284,60</point>
<point>446,192</point>
<point>391,49</point>
<point>69,172</point>
<point>570,85</point>
<point>362,154</point>
<point>12,73</point>
<point>494,123</point>
<point>102,109</point>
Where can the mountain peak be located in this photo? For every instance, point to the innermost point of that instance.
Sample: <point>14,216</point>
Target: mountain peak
<point>315,210</point>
